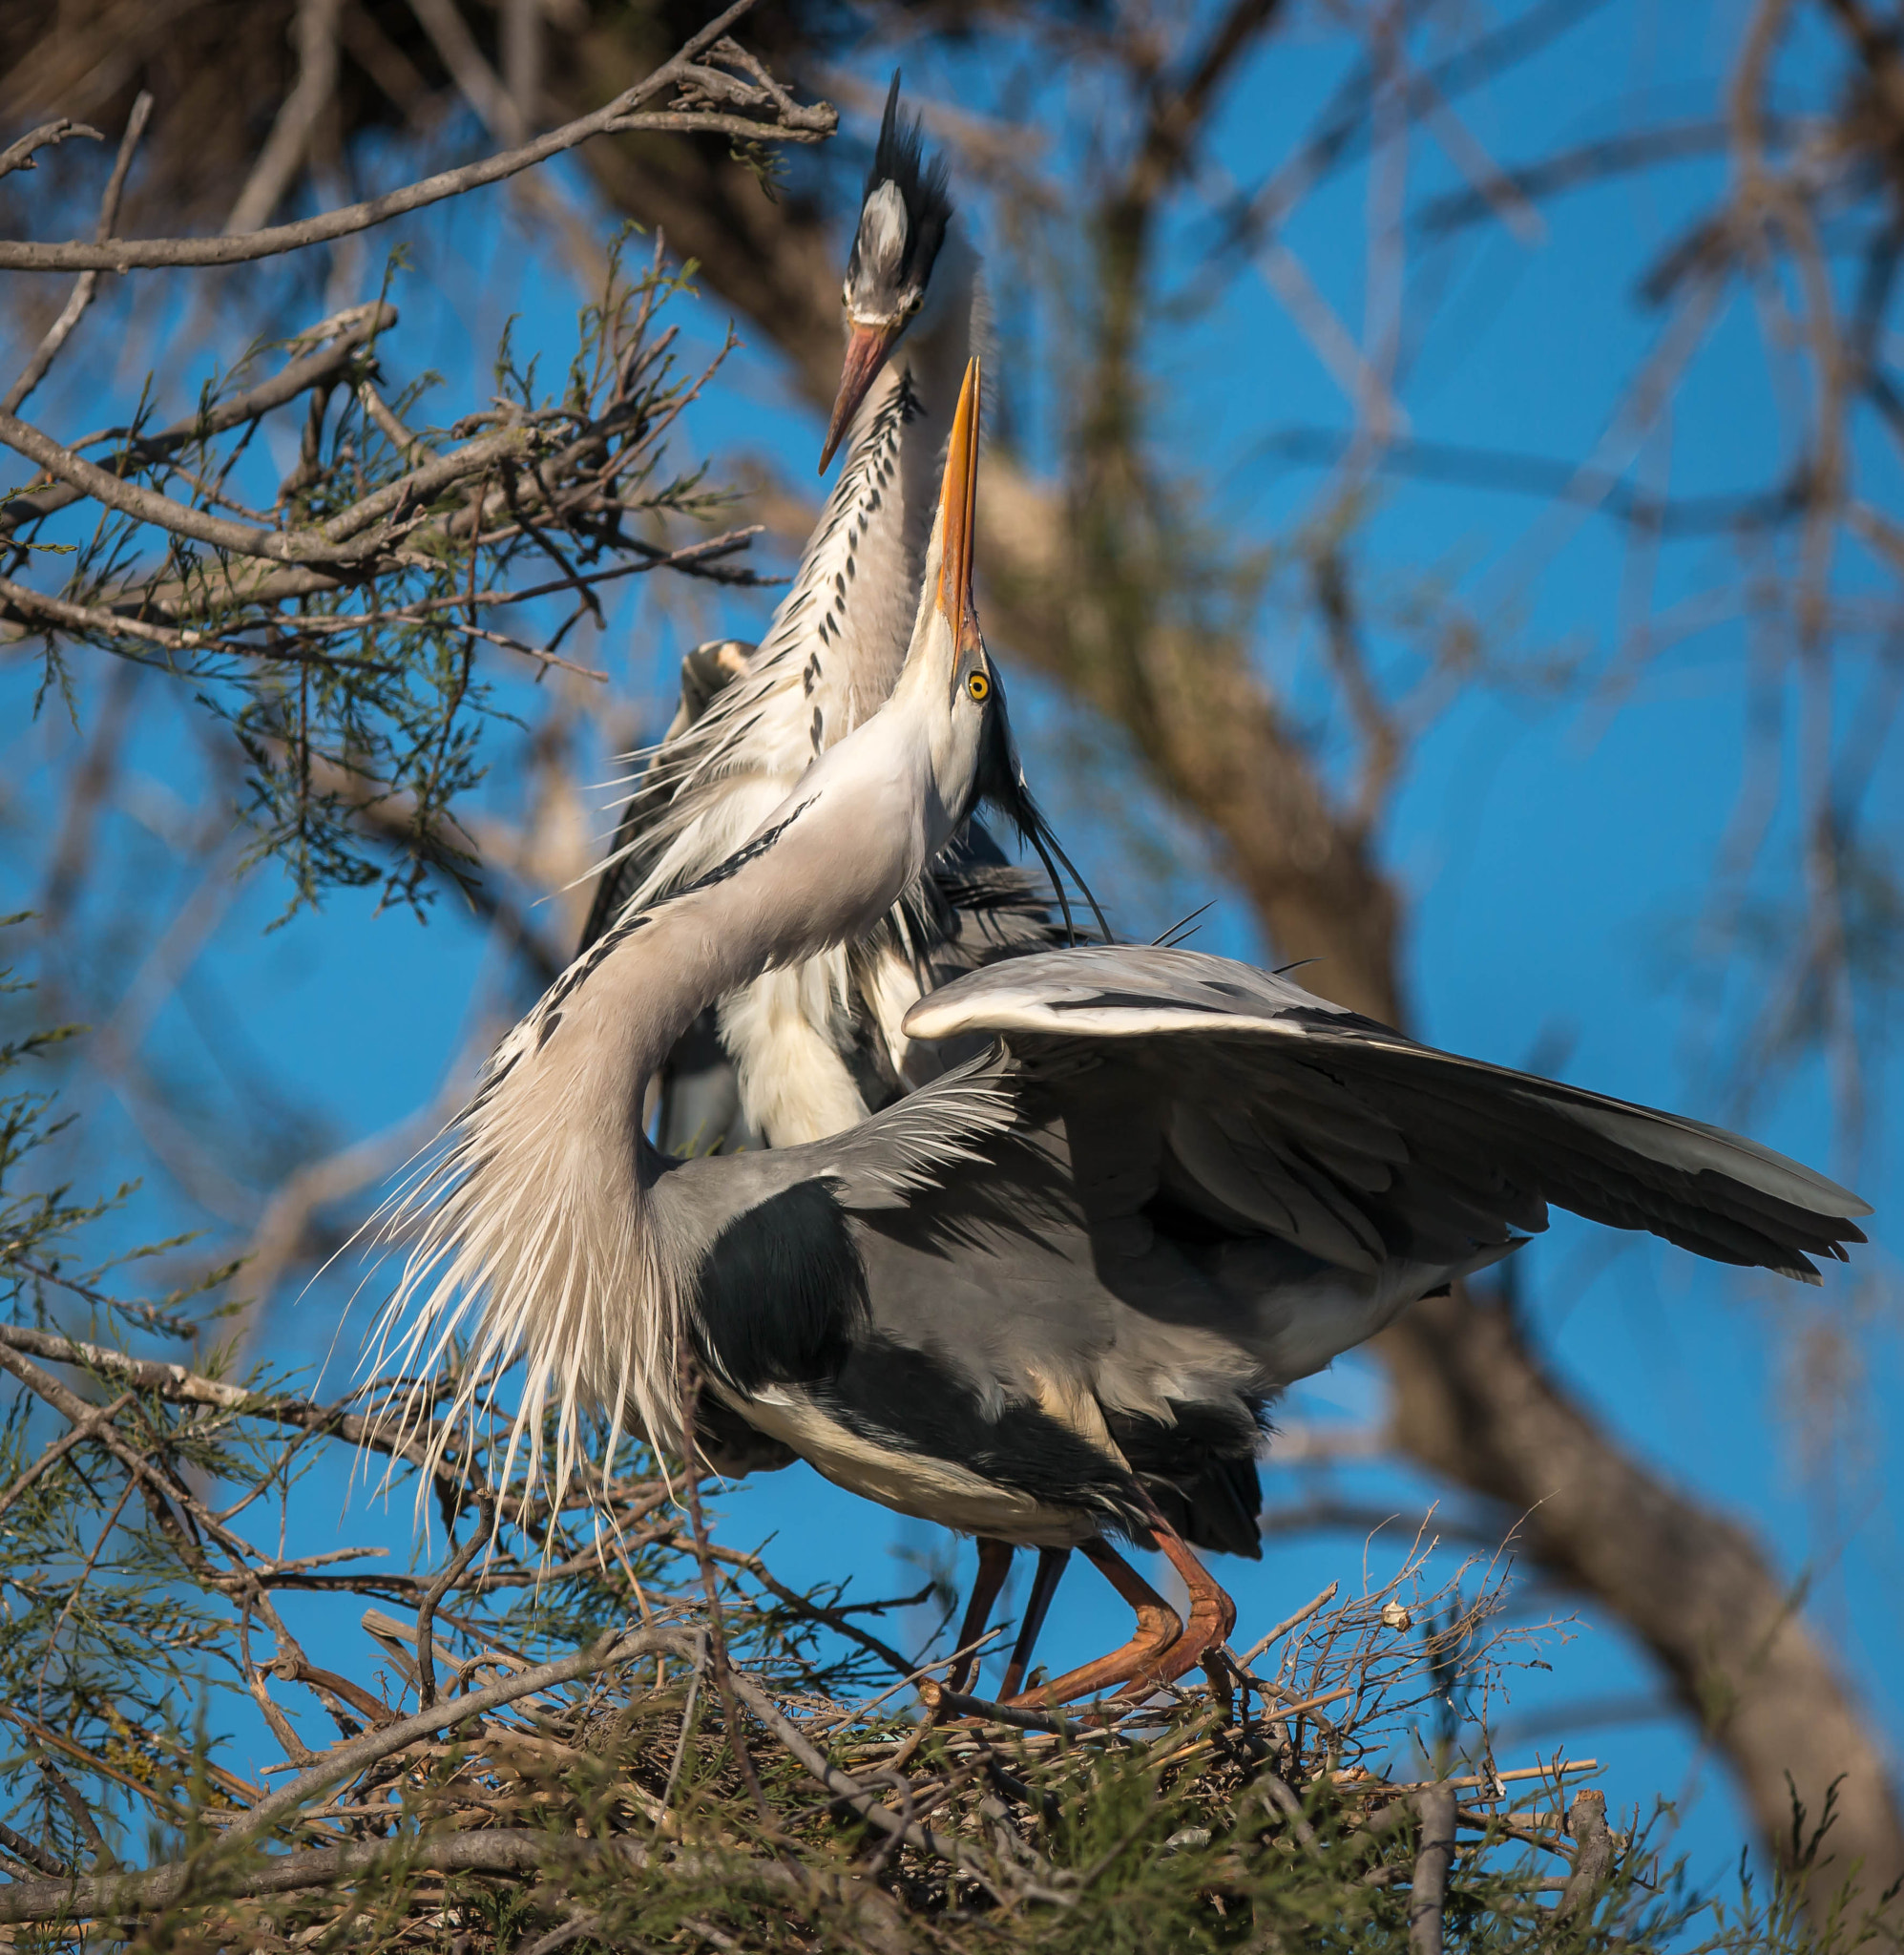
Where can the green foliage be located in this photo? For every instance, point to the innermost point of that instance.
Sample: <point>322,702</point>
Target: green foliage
<point>344,626</point>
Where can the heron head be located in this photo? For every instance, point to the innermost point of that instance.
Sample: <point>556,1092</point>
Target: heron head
<point>903,217</point>
<point>977,760</point>
<point>950,697</point>
<point>946,692</point>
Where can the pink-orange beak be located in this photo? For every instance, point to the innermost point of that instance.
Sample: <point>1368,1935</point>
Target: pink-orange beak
<point>866,350</point>
<point>958,512</point>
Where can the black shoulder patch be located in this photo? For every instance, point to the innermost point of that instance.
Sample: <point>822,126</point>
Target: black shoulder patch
<point>781,1292</point>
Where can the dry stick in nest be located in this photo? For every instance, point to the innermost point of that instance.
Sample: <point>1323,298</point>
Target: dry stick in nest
<point>862,1803</point>
<point>710,1584</point>
<point>426,1615</point>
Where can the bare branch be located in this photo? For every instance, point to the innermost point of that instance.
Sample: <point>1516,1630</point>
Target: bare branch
<point>623,115</point>
<point>349,333</point>
<point>19,156</point>
<point>327,542</point>
<point>283,153</point>
<point>61,329</point>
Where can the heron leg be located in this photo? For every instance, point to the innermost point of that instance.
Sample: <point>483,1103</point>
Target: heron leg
<point>1044,1585</point>
<point>994,1564</point>
<point>1157,1630</point>
<point>1212,1613</point>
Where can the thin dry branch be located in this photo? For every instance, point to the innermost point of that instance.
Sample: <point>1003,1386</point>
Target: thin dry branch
<point>20,154</point>
<point>61,329</point>
<point>621,117</point>
<point>348,333</point>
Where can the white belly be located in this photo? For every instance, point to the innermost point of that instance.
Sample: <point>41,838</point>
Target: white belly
<point>915,1484</point>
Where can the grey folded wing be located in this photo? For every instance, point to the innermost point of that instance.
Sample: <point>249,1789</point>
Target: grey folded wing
<point>1286,1114</point>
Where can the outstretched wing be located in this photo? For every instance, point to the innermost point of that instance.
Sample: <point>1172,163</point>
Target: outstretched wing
<point>1282,1113</point>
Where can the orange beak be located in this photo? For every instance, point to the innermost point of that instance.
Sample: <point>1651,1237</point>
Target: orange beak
<point>867,351</point>
<point>959,511</point>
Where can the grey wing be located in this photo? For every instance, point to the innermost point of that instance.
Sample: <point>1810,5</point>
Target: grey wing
<point>931,1281</point>
<point>1290,1115</point>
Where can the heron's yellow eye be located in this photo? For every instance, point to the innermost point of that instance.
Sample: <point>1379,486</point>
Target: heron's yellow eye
<point>978,685</point>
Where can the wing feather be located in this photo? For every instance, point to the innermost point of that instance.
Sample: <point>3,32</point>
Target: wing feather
<point>1344,1137</point>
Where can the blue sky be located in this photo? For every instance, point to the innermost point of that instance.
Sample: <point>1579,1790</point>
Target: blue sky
<point>1554,847</point>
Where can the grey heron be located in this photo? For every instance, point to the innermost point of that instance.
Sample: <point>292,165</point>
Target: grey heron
<point>809,1049</point>
<point>1073,1268</point>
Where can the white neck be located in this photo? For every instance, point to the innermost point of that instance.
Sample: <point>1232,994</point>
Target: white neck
<point>838,641</point>
<point>539,1208</point>
<point>848,614</point>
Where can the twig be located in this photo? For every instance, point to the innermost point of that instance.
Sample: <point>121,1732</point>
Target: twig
<point>621,116</point>
<point>1381,1788</point>
<point>337,540</point>
<point>83,287</point>
<point>942,1702</point>
<point>30,603</point>
<point>1288,1623</point>
<point>343,1761</point>
<point>19,156</point>
<point>1281,1794</point>
<point>348,332</point>
<point>83,1429</point>
<point>180,1384</point>
<point>1305,1704</point>
<point>862,1801</point>
<point>425,1610</point>
<point>710,1585</point>
<point>679,1759</point>
<point>833,1618</point>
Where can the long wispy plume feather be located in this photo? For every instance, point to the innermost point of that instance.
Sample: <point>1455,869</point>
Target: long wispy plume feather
<point>542,1228</point>
<point>531,1238</point>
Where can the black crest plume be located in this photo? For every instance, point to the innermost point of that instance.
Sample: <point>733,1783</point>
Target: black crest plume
<point>1000,782</point>
<point>924,184</point>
